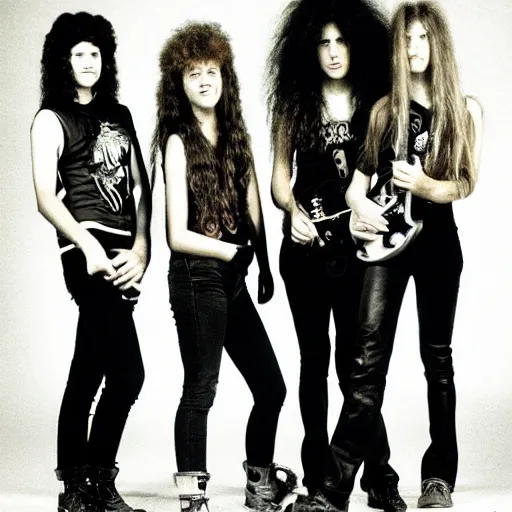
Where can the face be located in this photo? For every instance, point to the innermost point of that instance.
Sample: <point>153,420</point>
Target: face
<point>333,52</point>
<point>202,83</point>
<point>418,47</point>
<point>86,64</point>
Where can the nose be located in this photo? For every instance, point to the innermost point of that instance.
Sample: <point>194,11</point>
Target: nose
<point>333,49</point>
<point>412,46</point>
<point>88,61</point>
<point>204,80</point>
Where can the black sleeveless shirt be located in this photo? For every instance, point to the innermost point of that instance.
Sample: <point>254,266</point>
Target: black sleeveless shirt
<point>94,179</point>
<point>419,143</point>
<point>326,172</point>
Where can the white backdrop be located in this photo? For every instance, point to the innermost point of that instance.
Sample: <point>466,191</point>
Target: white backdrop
<point>38,319</point>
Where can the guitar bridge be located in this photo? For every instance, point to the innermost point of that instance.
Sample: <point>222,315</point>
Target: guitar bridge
<point>317,210</point>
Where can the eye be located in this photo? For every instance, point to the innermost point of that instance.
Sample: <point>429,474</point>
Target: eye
<point>79,54</point>
<point>323,42</point>
<point>195,74</point>
<point>95,54</point>
<point>423,37</point>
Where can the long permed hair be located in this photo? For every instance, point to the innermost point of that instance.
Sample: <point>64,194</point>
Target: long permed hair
<point>450,157</point>
<point>294,76</point>
<point>218,177</point>
<point>58,86</point>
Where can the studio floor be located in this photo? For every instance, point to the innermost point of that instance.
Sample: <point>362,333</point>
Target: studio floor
<point>229,499</point>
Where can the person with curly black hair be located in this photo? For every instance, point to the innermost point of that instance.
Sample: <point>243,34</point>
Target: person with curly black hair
<point>91,185</point>
<point>214,227</point>
<point>328,65</point>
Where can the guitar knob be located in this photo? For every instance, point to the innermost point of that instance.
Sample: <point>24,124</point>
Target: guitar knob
<point>397,239</point>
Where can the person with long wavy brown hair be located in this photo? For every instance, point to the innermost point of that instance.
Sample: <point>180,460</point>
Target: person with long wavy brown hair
<point>425,136</point>
<point>323,79</point>
<point>214,227</point>
<point>91,185</point>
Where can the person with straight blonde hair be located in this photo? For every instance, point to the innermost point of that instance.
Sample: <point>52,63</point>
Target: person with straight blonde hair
<point>425,137</point>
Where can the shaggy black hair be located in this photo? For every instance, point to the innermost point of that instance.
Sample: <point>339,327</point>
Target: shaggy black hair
<point>294,76</point>
<point>58,87</point>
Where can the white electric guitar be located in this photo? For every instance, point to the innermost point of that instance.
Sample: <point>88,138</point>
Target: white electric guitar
<point>403,229</point>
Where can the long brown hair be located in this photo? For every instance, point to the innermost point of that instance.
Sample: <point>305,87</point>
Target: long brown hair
<point>218,177</point>
<point>451,154</point>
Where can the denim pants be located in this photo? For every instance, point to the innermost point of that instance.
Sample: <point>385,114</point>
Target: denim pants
<point>107,347</point>
<point>213,310</point>
<point>435,262</point>
<point>318,282</point>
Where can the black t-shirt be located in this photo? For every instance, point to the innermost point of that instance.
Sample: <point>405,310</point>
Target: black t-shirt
<point>419,143</point>
<point>94,177</point>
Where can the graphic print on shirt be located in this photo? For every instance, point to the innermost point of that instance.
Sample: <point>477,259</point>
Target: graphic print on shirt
<point>336,133</point>
<point>340,160</point>
<point>109,164</point>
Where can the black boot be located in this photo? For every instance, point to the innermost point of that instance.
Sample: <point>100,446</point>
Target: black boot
<point>319,503</point>
<point>265,491</point>
<point>102,484</point>
<point>192,490</point>
<point>76,496</point>
<point>386,498</point>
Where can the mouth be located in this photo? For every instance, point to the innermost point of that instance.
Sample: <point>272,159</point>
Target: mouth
<point>334,66</point>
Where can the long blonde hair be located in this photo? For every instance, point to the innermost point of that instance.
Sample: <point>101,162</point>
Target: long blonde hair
<point>451,154</point>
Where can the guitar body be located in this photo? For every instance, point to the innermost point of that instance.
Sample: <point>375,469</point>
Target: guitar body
<point>322,204</point>
<point>402,228</point>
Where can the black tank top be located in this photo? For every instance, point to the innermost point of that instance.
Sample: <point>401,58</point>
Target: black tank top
<point>239,235</point>
<point>94,178</point>
<point>326,172</point>
<point>419,143</point>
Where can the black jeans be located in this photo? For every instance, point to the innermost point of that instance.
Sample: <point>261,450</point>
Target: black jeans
<point>435,262</point>
<point>318,282</point>
<point>106,346</point>
<point>213,310</point>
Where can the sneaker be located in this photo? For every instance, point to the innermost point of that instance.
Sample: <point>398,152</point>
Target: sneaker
<point>435,493</point>
<point>386,498</point>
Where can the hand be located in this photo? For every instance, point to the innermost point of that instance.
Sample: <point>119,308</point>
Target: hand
<point>411,177</point>
<point>243,258</point>
<point>130,266</point>
<point>265,287</point>
<point>359,229</point>
<point>303,230</point>
<point>97,260</point>
<point>367,219</point>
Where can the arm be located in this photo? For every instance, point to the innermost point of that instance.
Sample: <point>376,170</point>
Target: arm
<point>179,237</point>
<point>366,214</point>
<point>412,177</point>
<point>131,263</point>
<point>259,241</point>
<point>303,231</point>
<point>47,143</point>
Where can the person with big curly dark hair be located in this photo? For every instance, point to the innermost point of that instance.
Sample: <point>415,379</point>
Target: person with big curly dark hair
<point>91,185</point>
<point>214,226</point>
<point>328,65</point>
